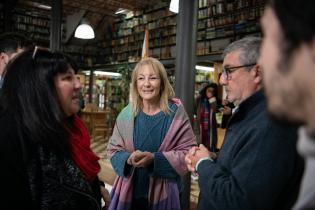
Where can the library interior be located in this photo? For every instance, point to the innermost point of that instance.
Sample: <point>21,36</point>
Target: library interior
<point>121,31</point>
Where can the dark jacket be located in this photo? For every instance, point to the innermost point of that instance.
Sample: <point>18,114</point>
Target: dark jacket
<point>34,178</point>
<point>258,166</point>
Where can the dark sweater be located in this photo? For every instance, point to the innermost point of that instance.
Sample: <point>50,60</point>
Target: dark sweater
<point>34,178</point>
<point>258,166</point>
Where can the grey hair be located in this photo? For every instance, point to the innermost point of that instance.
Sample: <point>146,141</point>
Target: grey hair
<point>250,49</point>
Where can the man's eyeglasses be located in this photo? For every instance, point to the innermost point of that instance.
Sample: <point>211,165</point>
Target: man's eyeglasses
<point>227,71</point>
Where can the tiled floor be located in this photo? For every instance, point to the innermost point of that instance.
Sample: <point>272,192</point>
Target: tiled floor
<point>107,173</point>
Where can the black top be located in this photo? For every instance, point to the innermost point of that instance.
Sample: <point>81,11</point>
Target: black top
<point>33,178</point>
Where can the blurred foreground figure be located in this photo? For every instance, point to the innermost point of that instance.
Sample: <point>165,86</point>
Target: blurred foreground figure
<point>288,59</point>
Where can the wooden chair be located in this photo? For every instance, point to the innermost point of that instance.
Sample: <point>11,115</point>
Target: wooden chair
<point>100,125</point>
<point>86,115</point>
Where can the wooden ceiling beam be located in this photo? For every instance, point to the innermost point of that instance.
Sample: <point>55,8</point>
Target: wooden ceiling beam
<point>89,9</point>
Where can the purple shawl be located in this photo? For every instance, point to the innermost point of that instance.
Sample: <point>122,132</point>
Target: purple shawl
<point>163,193</point>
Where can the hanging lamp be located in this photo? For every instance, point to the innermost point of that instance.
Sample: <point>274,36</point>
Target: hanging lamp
<point>84,31</point>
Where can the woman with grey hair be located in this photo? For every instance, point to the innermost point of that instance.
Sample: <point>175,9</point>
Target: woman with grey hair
<point>150,140</point>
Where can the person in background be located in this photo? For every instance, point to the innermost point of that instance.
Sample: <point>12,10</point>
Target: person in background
<point>150,140</point>
<point>10,45</point>
<point>81,98</point>
<point>258,166</point>
<point>226,109</point>
<point>206,108</point>
<point>45,153</point>
<point>288,59</point>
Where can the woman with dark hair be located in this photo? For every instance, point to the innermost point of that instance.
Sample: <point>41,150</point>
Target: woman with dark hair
<point>206,107</point>
<point>45,150</point>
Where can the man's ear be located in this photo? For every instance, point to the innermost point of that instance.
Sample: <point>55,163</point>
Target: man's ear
<point>257,73</point>
<point>4,58</point>
<point>2,55</point>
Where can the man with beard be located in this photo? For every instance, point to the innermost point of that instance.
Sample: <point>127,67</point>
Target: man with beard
<point>258,166</point>
<point>288,59</point>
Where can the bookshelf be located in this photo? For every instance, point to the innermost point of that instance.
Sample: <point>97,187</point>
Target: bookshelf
<point>35,24</point>
<point>222,21</point>
<point>107,92</point>
<point>128,34</point>
<point>84,55</point>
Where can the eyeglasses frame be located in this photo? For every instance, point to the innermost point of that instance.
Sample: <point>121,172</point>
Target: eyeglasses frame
<point>228,70</point>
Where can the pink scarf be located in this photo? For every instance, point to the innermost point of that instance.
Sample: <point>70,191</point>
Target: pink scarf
<point>163,193</point>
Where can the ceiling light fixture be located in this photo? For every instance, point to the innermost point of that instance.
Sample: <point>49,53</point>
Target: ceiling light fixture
<point>204,68</point>
<point>174,6</point>
<point>37,5</point>
<point>84,31</point>
<point>106,73</point>
<point>121,11</point>
<point>103,73</point>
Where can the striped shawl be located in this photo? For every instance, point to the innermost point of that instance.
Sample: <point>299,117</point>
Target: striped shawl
<point>163,193</point>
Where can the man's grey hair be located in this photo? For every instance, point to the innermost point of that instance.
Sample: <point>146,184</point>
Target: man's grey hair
<point>250,49</point>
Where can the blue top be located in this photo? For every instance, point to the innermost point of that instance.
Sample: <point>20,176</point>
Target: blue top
<point>149,132</point>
